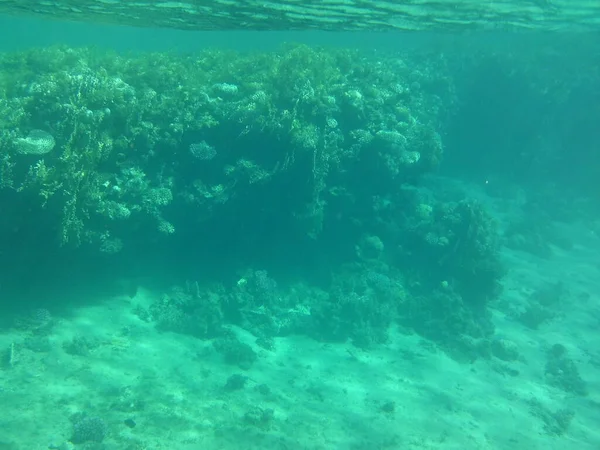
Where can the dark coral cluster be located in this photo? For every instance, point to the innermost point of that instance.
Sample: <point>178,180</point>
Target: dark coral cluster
<point>87,429</point>
<point>286,183</point>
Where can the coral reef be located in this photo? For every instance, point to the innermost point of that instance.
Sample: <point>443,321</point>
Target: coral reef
<point>231,163</point>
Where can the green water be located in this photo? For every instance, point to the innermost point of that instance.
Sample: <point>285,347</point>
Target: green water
<point>299,240</point>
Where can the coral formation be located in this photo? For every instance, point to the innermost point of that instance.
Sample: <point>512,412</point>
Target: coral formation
<point>302,156</point>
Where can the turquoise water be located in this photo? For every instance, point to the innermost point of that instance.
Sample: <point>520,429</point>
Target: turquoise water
<point>298,240</point>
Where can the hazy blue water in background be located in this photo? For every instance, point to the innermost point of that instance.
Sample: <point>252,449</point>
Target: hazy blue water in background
<point>19,33</point>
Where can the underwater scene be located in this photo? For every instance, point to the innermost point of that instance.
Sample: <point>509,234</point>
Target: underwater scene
<point>299,240</point>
